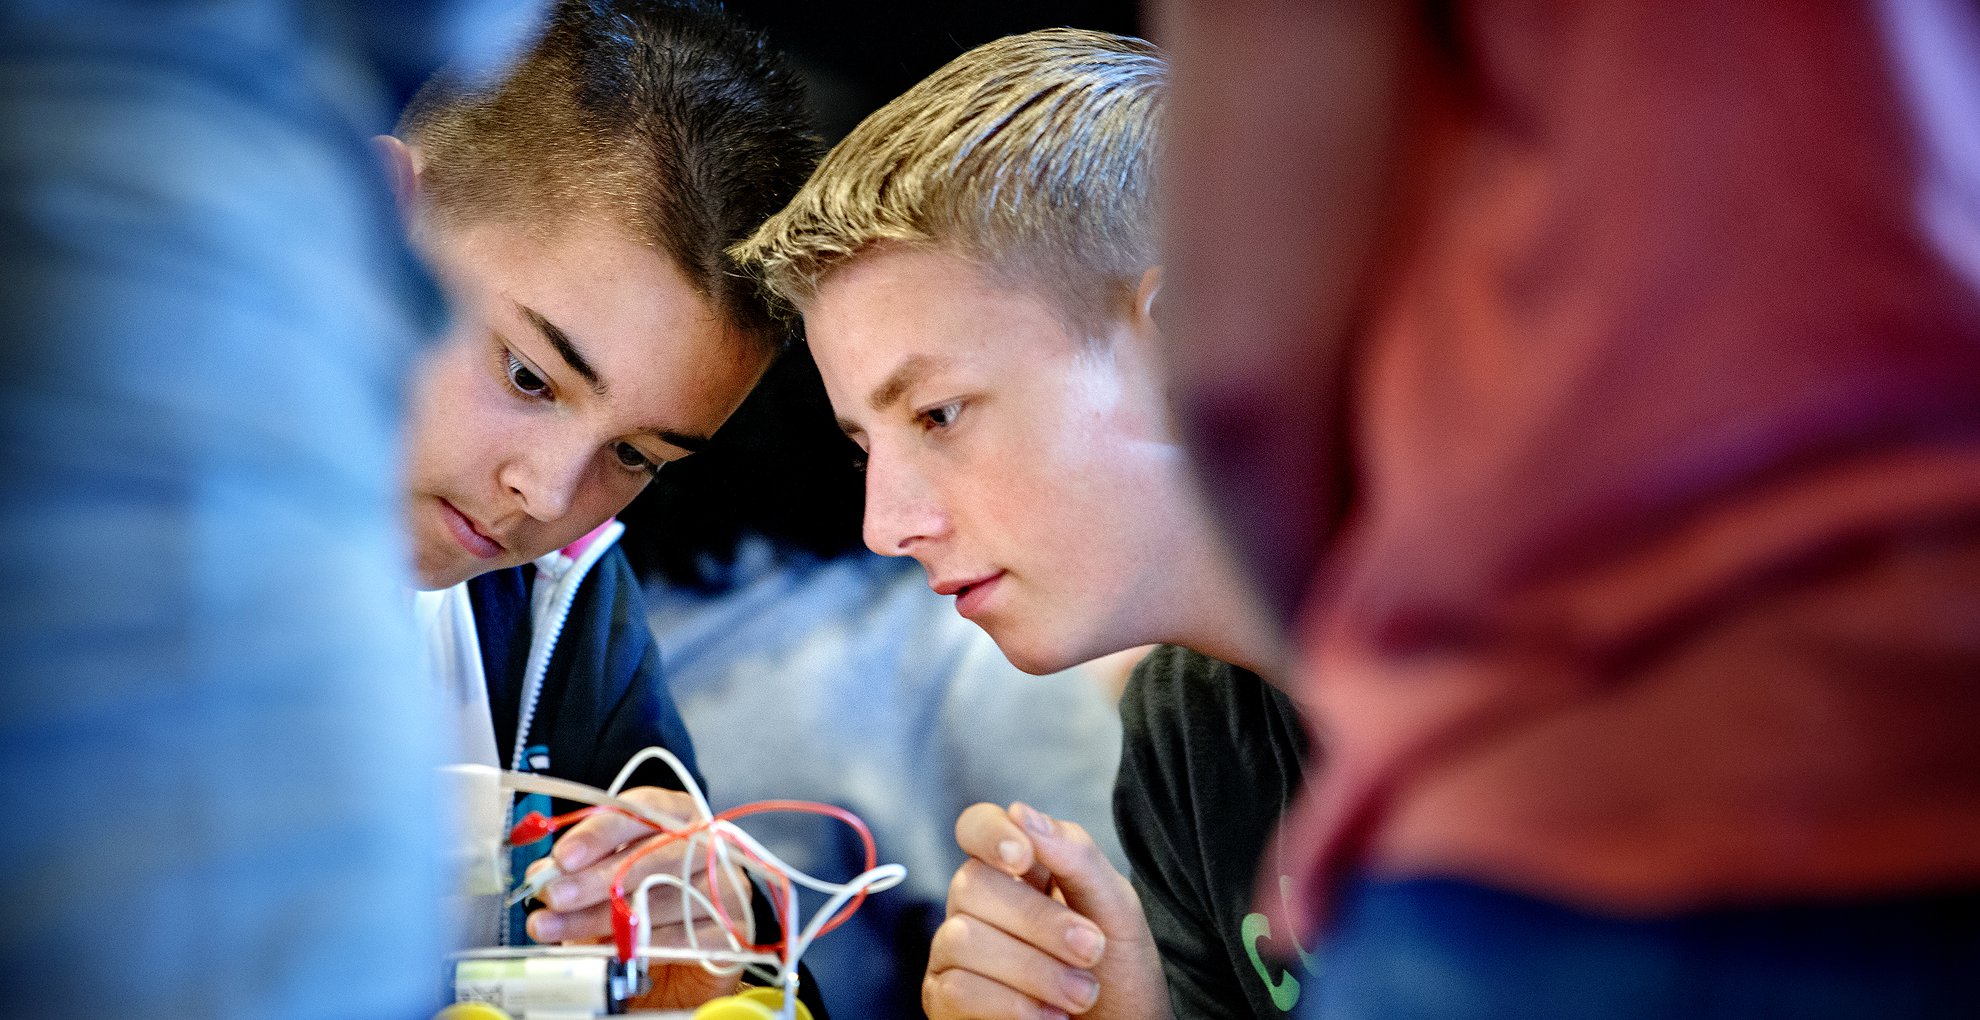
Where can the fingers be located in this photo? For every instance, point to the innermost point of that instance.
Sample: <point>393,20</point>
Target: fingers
<point>549,926</point>
<point>989,896</point>
<point>962,995</point>
<point>973,945</point>
<point>593,884</point>
<point>1130,974</point>
<point>604,832</point>
<point>1050,855</point>
<point>1009,950</point>
<point>1069,938</point>
<point>579,906</point>
<point>1080,871</point>
<point>594,924</point>
<point>591,853</point>
<point>989,834</point>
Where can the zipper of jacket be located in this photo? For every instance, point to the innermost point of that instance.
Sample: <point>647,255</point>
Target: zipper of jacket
<point>541,652</point>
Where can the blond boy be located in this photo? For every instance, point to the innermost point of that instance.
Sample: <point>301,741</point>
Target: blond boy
<point>976,267</point>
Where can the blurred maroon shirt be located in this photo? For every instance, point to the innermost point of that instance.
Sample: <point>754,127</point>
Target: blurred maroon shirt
<point>1662,586</point>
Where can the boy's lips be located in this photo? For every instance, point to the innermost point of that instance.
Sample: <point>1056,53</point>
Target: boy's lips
<point>468,534</point>
<point>971,595</point>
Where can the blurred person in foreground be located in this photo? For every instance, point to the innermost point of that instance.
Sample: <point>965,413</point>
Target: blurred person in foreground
<point>977,272</point>
<point>219,774</point>
<point>1608,376</point>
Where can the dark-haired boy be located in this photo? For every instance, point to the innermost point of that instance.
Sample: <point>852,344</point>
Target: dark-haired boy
<point>579,212</point>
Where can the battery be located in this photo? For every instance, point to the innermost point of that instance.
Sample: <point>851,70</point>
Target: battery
<point>536,987</point>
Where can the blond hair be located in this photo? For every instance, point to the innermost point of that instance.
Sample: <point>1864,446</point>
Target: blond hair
<point>1033,155</point>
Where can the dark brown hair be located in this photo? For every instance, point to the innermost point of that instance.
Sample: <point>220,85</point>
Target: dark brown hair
<point>665,118</point>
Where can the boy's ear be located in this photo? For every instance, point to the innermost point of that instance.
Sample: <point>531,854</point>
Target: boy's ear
<point>401,166</point>
<point>1145,293</point>
<point>1146,331</point>
<point>1142,321</point>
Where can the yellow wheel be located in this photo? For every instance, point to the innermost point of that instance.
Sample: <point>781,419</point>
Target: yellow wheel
<point>473,1011</point>
<point>749,1004</point>
<point>733,1007</point>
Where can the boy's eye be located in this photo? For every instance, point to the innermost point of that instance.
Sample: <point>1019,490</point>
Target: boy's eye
<point>943,416</point>
<point>524,380</point>
<point>632,460</point>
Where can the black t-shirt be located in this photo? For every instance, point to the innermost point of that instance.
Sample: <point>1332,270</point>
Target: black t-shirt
<point>1211,756</point>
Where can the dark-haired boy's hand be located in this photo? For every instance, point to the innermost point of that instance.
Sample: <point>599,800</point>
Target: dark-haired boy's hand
<point>1040,926</point>
<point>578,904</point>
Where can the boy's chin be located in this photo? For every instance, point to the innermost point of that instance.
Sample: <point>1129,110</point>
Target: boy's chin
<point>430,575</point>
<point>1043,650</point>
<point>1035,654</point>
<point>423,581</point>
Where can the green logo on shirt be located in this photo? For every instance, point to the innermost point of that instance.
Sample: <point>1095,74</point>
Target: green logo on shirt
<point>1257,928</point>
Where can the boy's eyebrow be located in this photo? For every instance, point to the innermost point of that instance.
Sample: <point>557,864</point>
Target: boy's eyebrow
<point>575,358</point>
<point>910,372</point>
<point>681,440</point>
<point>565,348</point>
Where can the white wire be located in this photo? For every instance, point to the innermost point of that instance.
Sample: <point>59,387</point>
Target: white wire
<point>738,884</point>
<point>880,879</point>
<point>712,840</point>
<point>680,772</point>
<point>876,880</point>
<point>776,862</point>
<point>691,897</point>
<point>644,939</point>
<point>702,811</point>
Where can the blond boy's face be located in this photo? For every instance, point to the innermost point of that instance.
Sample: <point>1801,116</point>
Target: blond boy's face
<point>575,366</point>
<point>1028,471</point>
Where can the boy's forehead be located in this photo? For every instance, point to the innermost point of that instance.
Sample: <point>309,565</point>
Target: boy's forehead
<point>940,289</point>
<point>901,311</point>
<point>890,317</point>
<point>888,265</point>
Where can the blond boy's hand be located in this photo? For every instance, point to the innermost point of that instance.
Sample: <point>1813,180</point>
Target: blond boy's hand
<point>1040,926</point>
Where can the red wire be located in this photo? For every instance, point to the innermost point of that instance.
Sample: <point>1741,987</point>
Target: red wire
<point>622,912</point>
<point>551,825</point>
<point>565,819</point>
<point>621,909</point>
<point>830,810</point>
<point>779,891</point>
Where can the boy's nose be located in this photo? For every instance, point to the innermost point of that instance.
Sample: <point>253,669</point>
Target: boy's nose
<point>548,479</point>
<point>901,512</point>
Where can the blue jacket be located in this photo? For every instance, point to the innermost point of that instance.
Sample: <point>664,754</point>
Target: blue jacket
<point>576,689</point>
<point>574,678</point>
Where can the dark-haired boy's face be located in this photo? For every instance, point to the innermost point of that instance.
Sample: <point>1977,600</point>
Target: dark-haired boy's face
<point>575,367</point>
